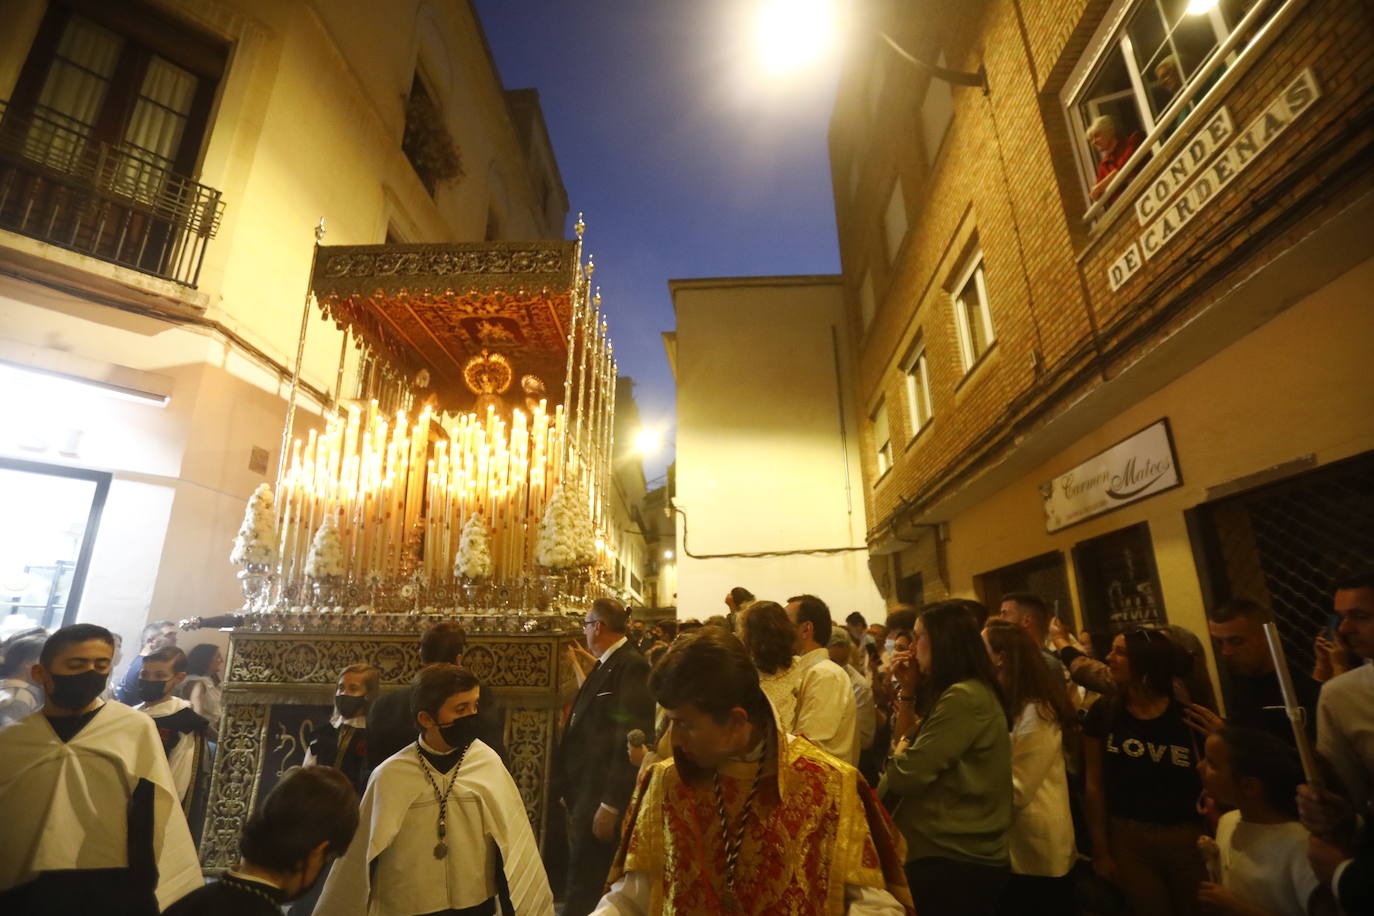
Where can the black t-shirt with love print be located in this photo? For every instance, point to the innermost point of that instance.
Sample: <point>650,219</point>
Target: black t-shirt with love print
<point>1149,766</point>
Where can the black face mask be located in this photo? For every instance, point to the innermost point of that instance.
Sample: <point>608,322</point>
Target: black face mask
<point>349,707</point>
<point>461,732</point>
<point>76,691</point>
<point>151,691</point>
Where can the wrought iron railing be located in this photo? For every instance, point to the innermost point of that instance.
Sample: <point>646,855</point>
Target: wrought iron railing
<point>110,202</point>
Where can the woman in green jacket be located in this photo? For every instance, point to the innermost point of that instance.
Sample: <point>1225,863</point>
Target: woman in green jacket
<point>948,786</point>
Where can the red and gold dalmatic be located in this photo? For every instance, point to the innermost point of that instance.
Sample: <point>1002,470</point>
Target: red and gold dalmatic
<point>816,827</point>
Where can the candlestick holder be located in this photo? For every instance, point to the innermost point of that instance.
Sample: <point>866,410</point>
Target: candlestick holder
<point>255,579</point>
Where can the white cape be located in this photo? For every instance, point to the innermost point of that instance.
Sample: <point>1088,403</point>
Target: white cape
<point>65,805</point>
<point>397,829</point>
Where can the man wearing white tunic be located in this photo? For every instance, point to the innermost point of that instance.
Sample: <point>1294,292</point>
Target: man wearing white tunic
<point>436,819</point>
<point>90,813</point>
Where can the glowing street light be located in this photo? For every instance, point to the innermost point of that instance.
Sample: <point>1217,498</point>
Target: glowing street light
<point>648,441</point>
<point>792,34</point>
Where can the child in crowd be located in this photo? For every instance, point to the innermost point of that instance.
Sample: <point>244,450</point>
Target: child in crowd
<point>182,730</point>
<point>1263,866</point>
<point>443,827</point>
<point>342,743</point>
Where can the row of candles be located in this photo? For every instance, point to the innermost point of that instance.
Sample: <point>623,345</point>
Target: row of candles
<point>400,492</point>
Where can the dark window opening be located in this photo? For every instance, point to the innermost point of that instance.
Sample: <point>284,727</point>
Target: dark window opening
<point>426,142</point>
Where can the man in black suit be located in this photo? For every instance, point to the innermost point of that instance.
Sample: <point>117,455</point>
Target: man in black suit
<point>594,777</point>
<point>390,724</point>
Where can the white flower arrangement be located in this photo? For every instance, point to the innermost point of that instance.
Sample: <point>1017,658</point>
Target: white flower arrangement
<point>326,557</point>
<point>556,544</point>
<point>256,542</point>
<point>474,550</point>
<point>586,534</point>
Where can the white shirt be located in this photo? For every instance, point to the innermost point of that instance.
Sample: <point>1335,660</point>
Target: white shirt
<point>1266,865</point>
<point>827,714</point>
<point>866,712</point>
<point>336,720</point>
<point>1345,730</point>
<point>1040,841</point>
<point>182,758</point>
<point>611,650</point>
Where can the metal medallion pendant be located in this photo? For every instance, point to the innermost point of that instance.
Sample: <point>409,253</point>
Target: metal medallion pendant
<point>440,850</point>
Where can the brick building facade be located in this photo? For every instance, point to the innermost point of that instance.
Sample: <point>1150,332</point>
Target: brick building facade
<point>1008,329</point>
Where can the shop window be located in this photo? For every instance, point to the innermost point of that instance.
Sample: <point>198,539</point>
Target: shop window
<point>1045,576</point>
<point>1118,582</point>
<point>894,220</point>
<point>867,304</point>
<point>44,560</point>
<point>1154,54</point>
<point>917,375</point>
<point>972,317</point>
<point>882,438</point>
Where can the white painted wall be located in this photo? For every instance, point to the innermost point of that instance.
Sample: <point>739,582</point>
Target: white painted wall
<point>766,459</point>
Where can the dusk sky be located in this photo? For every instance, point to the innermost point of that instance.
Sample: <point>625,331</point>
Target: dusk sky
<point>687,159</point>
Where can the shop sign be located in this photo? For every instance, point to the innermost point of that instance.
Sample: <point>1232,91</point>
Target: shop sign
<point>1131,470</point>
<point>1206,175</point>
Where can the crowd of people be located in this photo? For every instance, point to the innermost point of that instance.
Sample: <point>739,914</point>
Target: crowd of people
<point>952,759</point>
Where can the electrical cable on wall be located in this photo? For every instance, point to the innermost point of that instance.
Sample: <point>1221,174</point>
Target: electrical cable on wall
<point>810,551</point>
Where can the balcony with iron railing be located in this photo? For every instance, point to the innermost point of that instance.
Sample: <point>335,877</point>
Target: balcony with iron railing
<point>111,202</point>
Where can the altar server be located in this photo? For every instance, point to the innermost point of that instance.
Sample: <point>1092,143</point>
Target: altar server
<point>180,727</point>
<point>342,743</point>
<point>89,812</point>
<point>436,819</point>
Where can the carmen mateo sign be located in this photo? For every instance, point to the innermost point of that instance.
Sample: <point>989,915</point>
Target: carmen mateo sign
<point>1210,160</point>
<point>1131,470</point>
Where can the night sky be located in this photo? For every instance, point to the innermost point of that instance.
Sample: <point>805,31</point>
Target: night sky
<point>686,158</point>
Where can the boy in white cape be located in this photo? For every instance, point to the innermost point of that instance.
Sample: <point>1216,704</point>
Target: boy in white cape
<point>90,818</point>
<point>437,818</point>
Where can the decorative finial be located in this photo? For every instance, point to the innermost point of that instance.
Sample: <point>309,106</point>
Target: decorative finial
<point>597,298</point>
<point>319,231</point>
<point>579,227</point>
<point>591,267</point>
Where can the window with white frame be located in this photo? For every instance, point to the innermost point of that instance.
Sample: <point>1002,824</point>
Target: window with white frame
<point>894,220</point>
<point>882,438</point>
<point>937,109</point>
<point>1148,53</point>
<point>917,374</point>
<point>971,314</point>
<point>867,304</point>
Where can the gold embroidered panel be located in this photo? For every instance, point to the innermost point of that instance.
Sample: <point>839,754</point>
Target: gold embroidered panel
<point>435,306</point>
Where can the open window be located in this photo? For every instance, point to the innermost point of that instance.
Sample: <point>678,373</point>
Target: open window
<point>1149,53</point>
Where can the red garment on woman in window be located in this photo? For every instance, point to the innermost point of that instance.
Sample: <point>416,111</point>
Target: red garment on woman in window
<point>1114,160</point>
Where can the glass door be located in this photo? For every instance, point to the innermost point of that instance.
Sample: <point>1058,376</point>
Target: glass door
<point>52,513</point>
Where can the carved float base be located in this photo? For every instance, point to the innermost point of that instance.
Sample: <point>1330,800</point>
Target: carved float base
<point>278,684</point>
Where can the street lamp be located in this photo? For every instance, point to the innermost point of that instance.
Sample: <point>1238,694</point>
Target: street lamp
<point>648,441</point>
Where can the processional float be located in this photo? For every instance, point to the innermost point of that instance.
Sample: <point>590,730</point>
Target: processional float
<point>468,480</point>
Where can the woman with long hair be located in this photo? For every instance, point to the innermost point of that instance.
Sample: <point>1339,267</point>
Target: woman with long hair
<point>769,636</point>
<point>1040,842</point>
<point>949,786</point>
<point>1140,762</point>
